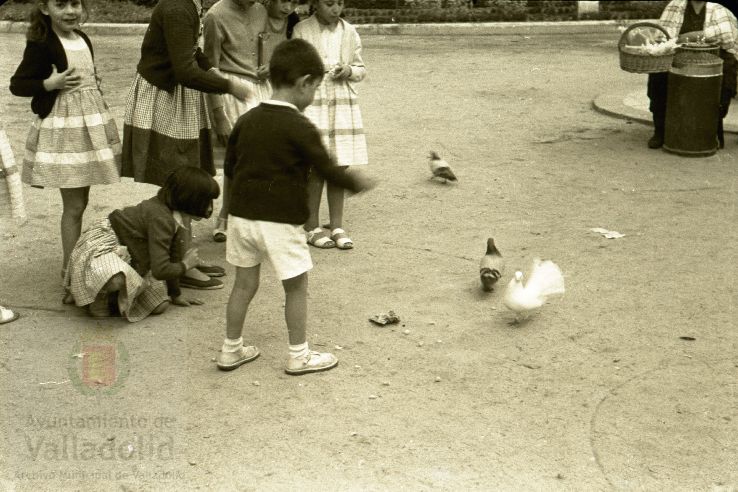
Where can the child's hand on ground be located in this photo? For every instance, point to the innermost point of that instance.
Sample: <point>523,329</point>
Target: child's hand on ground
<point>186,301</point>
<point>223,125</point>
<point>62,80</point>
<point>341,71</point>
<point>191,258</point>
<point>262,73</point>
<point>239,90</point>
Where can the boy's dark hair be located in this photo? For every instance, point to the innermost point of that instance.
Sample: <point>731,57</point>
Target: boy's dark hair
<point>293,59</point>
<point>190,190</point>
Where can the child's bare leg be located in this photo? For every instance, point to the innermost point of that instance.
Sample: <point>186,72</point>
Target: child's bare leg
<point>74,203</point>
<point>301,360</point>
<point>244,289</point>
<point>336,197</point>
<point>99,307</point>
<point>115,283</point>
<point>161,308</point>
<point>221,224</point>
<point>192,272</point>
<point>315,194</point>
<point>234,353</point>
<point>295,307</point>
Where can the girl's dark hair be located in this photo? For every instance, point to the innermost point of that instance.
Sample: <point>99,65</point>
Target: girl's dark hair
<point>291,60</point>
<point>40,23</point>
<point>190,190</point>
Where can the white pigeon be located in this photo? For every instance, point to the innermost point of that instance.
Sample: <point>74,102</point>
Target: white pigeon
<point>440,168</point>
<point>545,280</point>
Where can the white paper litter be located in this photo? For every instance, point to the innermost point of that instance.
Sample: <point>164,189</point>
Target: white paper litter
<point>607,234</point>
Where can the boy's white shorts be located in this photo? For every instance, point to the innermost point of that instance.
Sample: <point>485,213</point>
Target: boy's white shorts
<point>250,241</point>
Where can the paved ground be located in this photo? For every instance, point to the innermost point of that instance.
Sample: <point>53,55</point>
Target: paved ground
<point>627,383</point>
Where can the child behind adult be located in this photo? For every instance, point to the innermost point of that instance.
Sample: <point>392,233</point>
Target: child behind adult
<point>269,157</point>
<point>240,36</point>
<point>73,142</point>
<point>335,112</point>
<point>120,264</point>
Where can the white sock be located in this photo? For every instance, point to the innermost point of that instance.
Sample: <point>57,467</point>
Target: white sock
<point>297,351</point>
<point>232,345</point>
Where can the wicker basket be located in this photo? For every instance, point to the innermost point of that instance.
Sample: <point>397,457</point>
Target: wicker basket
<point>642,63</point>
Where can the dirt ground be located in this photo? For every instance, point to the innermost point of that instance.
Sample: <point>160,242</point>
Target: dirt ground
<point>596,392</point>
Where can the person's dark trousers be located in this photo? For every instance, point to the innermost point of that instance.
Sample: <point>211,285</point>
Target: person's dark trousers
<point>657,88</point>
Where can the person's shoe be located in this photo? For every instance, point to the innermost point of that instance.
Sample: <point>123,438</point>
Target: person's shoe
<point>219,233</point>
<point>228,361</point>
<point>656,142</point>
<point>212,270</point>
<point>312,362</point>
<point>193,283</point>
<point>100,306</point>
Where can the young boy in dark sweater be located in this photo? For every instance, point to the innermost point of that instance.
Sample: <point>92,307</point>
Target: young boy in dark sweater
<point>271,152</point>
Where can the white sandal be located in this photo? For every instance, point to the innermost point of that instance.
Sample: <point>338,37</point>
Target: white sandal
<point>341,239</point>
<point>318,238</point>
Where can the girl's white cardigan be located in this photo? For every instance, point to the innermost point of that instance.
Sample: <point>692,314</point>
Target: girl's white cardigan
<point>309,30</point>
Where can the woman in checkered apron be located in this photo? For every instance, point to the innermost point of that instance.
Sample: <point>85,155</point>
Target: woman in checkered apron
<point>166,123</point>
<point>73,143</point>
<point>335,112</point>
<point>11,201</point>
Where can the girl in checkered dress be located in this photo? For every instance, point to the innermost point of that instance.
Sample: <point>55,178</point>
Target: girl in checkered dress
<point>11,201</point>
<point>335,112</point>
<point>73,142</point>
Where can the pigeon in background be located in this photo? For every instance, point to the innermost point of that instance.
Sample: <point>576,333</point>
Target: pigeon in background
<point>491,267</point>
<point>440,168</point>
<point>545,280</point>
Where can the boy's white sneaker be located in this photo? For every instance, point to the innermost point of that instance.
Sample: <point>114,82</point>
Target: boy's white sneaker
<point>311,362</point>
<point>227,361</point>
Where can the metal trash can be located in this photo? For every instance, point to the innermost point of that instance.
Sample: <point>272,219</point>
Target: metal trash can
<point>693,101</point>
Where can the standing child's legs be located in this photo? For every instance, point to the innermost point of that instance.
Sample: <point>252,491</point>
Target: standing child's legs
<point>302,360</point>
<point>336,198</point>
<point>316,236</point>
<point>74,203</point>
<point>295,308</point>
<point>234,353</point>
<point>221,225</point>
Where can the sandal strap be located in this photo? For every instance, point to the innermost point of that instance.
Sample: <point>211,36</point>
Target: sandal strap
<point>337,230</point>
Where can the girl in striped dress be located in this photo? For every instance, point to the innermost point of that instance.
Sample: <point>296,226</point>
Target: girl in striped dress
<point>73,143</point>
<point>335,111</point>
<point>11,201</point>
